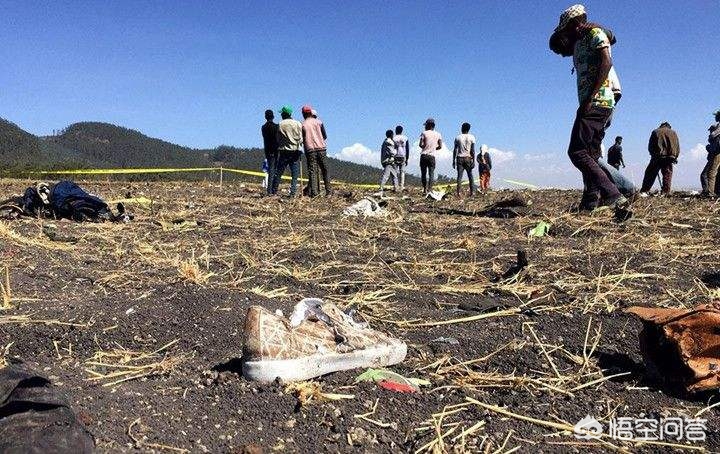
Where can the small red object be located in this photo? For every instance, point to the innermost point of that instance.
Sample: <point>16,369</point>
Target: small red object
<point>397,387</point>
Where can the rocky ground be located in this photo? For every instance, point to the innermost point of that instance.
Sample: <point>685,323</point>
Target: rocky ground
<point>140,324</point>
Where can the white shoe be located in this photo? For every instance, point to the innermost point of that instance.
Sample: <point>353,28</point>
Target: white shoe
<point>328,340</point>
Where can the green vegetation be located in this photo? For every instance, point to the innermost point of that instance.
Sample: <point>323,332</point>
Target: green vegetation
<point>102,145</point>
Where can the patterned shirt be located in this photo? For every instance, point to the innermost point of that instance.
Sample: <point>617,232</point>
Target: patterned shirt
<point>587,64</point>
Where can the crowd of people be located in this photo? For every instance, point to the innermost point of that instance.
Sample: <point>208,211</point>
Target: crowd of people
<point>599,92</point>
<point>282,143</point>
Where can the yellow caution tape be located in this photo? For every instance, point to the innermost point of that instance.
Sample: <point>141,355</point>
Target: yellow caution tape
<point>120,171</point>
<point>172,170</point>
<point>520,183</point>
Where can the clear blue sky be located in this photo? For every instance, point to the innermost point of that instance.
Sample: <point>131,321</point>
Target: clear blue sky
<point>202,73</point>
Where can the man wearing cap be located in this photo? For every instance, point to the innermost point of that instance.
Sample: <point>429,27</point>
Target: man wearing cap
<point>270,144</point>
<point>593,63</point>
<point>289,138</point>
<point>430,142</point>
<point>464,157</point>
<point>664,149</point>
<point>314,137</point>
<point>708,177</point>
<point>402,148</point>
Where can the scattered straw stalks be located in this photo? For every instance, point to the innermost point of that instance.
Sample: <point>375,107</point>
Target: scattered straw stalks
<point>568,429</point>
<point>448,433</point>
<point>311,391</point>
<point>120,365</point>
<point>191,271</point>
<point>5,290</point>
<point>38,243</point>
<point>4,354</point>
<point>270,294</point>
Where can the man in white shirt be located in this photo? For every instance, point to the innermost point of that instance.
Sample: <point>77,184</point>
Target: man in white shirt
<point>464,157</point>
<point>402,148</point>
<point>430,142</point>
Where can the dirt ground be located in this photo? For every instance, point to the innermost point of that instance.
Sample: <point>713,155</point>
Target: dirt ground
<point>141,324</point>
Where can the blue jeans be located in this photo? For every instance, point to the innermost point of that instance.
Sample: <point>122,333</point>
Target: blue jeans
<point>285,159</point>
<point>623,183</point>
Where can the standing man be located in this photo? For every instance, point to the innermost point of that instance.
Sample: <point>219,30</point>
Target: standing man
<point>484,167</point>
<point>388,153</point>
<point>615,157</point>
<point>270,144</point>
<point>592,60</point>
<point>289,138</point>
<point>430,142</point>
<point>464,157</point>
<point>709,174</point>
<point>402,147</point>
<point>314,137</point>
<point>664,149</point>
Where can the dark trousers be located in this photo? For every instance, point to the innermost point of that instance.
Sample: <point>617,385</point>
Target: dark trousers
<point>285,159</point>
<point>657,164</point>
<point>272,159</point>
<point>317,167</point>
<point>709,173</point>
<point>427,171</point>
<point>584,151</point>
<point>465,165</point>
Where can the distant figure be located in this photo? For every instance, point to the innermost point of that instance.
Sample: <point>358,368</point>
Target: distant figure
<point>265,170</point>
<point>388,152</point>
<point>464,157</point>
<point>484,167</point>
<point>664,149</point>
<point>589,45</point>
<point>709,175</point>
<point>270,144</point>
<point>430,142</point>
<point>615,156</point>
<point>314,137</point>
<point>289,137</point>
<point>402,147</point>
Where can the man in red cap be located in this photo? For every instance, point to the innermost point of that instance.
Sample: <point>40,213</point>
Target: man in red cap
<point>314,138</point>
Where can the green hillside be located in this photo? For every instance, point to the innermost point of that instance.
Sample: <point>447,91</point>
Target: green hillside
<point>121,147</point>
<point>20,150</point>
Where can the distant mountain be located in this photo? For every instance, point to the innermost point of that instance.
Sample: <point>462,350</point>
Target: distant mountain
<point>102,145</point>
<point>20,150</point>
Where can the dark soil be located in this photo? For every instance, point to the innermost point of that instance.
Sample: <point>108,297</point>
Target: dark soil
<point>141,286</point>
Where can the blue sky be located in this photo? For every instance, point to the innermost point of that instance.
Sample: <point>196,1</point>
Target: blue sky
<point>202,73</point>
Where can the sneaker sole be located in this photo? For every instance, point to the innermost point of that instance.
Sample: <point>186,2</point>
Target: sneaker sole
<point>308,367</point>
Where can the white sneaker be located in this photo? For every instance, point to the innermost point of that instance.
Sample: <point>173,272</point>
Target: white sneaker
<point>328,340</point>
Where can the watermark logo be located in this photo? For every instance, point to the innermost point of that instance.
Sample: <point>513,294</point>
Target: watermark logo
<point>692,430</point>
<point>588,428</point>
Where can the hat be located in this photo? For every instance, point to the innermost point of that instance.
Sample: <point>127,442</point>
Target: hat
<point>313,112</point>
<point>429,121</point>
<point>570,14</point>
<point>484,148</point>
<point>286,110</point>
<point>306,109</point>
<point>717,112</point>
